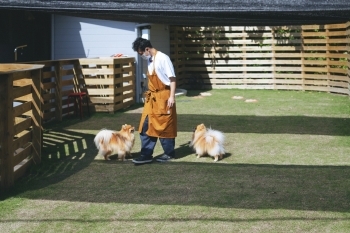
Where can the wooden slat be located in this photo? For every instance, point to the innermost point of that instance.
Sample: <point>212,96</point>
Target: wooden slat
<point>49,96</point>
<point>289,87</point>
<point>339,78</point>
<point>21,91</point>
<point>106,71</point>
<point>128,69</point>
<point>338,84</point>
<point>99,81</point>
<point>316,88</point>
<point>49,85</point>
<point>334,26</point>
<point>315,76</point>
<point>338,70</point>
<point>101,99</point>
<point>21,109</point>
<point>49,106</point>
<point>128,87</point>
<point>20,170</point>
<point>339,90</point>
<point>49,74</point>
<point>106,91</point>
<point>22,153</point>
<point>316,82</point>
<point>25,138</point>
<point>128,103</point>
<point>128,78</point>
<point>129,95</point>
<point>67,72</point>
<point>21,124</point>
<point>24,76</point>
<point>67,82</point>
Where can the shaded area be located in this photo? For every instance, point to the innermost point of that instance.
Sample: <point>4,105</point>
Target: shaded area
<point>318,188</point>
<point>271,124</point>
<point>179,219</point>
<point>21,28</point>
<point>312,125</point>
<point>71,173</point>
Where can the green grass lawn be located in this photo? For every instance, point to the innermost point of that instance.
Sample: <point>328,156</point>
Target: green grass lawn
<point>286,170</point>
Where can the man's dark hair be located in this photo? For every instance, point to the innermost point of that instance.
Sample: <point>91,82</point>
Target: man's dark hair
<point>141,44</point>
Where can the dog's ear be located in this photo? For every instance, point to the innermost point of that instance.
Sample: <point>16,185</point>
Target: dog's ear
<point>201,127</point>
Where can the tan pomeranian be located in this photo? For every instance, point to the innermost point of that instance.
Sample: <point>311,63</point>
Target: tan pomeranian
<point>208,142</point>
<point>109,142</point>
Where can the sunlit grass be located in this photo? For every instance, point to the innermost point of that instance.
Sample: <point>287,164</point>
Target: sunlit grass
<point>286,170</point>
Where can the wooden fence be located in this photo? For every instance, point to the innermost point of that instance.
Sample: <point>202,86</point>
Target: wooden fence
<point>311,57</point>
<point>32,94</point>
<point>20,120</point>
<point>62,77</point>
<point>110,82</point>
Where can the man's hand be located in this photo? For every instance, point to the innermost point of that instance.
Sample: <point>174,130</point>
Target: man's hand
<point>171,101</point>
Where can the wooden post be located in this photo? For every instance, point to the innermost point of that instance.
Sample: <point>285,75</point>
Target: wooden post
<point>58,91</point>
<point>302,58</point>
<point>6,129</point>
<point>213,55</point>
<point>273,58</point>
<point>37,133</point>
<point>328,60</point>
<point>115,85</point>
<point>244,57</point>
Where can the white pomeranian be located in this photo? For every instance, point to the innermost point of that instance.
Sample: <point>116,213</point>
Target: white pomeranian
<point>110,142</point>
<point>208,142</point>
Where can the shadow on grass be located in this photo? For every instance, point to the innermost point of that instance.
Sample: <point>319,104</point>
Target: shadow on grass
<point>70,173</point>
<point>268,124</point>
<point>182,183</point>
<point>178,219</point>
<point>235,124</point>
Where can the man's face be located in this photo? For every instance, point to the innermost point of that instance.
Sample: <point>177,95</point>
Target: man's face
<point>145,53</point>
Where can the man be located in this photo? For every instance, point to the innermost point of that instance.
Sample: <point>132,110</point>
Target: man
<point>159,118</point>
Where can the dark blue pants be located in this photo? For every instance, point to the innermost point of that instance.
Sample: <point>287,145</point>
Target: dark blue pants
<point>148,143</point>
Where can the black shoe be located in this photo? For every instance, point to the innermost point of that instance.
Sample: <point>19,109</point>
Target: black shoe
<point>164,158</point>
<point>142,159</point>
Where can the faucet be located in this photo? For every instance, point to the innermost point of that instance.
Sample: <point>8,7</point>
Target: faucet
<point>18,47</point>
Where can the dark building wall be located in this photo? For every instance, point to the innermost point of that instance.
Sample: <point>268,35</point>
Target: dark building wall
<point>18,27</point>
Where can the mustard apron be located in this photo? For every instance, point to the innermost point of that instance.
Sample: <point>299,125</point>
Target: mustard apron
<point>162,121</point>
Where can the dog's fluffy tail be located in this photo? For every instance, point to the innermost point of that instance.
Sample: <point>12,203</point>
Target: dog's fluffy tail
<point>217,135</point>
<point>215,140</point>
<point>104,136</point>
